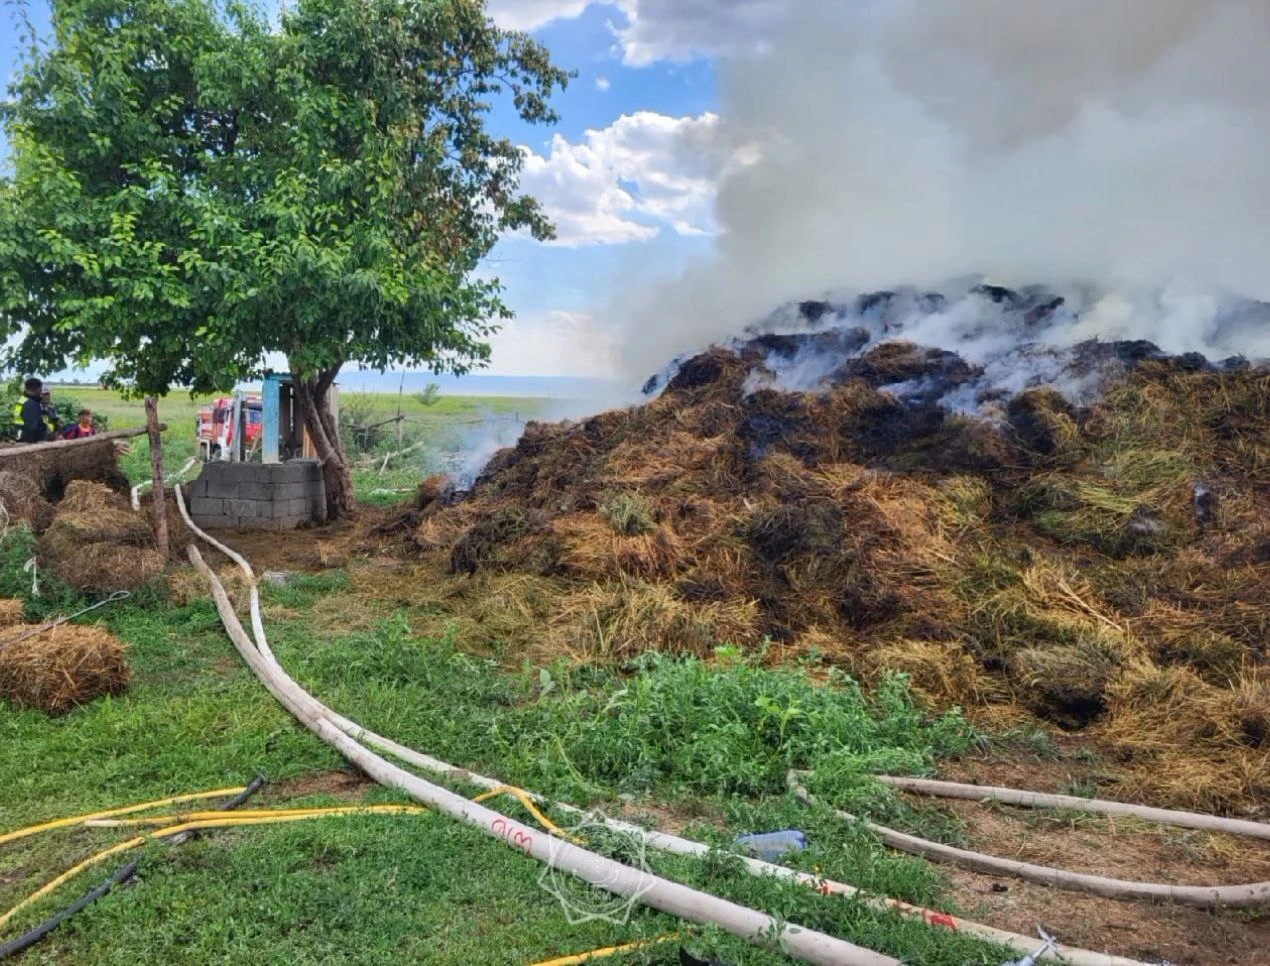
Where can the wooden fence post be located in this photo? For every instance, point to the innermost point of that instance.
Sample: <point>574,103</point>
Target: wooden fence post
<point>156,476</point>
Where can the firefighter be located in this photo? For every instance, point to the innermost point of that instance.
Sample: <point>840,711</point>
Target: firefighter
<point>52,421</point>
<point>28,415</point>
<point>82,428</point>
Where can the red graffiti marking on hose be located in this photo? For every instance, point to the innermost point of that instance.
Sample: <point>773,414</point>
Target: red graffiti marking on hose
<point>513,836</point>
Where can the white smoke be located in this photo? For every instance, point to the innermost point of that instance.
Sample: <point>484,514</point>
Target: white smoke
<point>1119,145</point>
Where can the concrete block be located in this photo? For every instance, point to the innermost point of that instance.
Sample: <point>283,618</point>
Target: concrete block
<point>242,508</point>
<point>262,492</point>
<point>198,488</point>
<point>319,503</point>
<point>298,507</point>
<point>226,488</point>
<point>298,471</point>
<point>288,491</point>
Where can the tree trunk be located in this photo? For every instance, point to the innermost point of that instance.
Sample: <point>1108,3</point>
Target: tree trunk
<point>313,395</point>
<point>156,476</point>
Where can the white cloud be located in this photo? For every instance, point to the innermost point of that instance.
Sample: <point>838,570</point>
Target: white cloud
<point>602,83</point>
<point>655,30</point>
<point>555,343</point>
<point>624,182</point>
<point>532,14</point>
<point>681,30</point>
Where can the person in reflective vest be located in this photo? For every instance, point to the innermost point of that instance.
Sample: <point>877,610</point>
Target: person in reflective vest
<point>28,415</point>
<point>52,421</point>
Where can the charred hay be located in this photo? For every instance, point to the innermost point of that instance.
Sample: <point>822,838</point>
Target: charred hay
<point>1051,557</point>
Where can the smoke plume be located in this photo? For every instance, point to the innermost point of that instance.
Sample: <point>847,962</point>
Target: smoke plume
<point>1119,146</point>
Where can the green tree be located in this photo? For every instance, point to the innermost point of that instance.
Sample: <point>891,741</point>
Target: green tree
<point>192,190</point>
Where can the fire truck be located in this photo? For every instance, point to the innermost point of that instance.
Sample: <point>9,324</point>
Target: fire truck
<point>230,428</point>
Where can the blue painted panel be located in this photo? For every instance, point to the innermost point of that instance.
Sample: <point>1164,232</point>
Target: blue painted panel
<point>272,390</point>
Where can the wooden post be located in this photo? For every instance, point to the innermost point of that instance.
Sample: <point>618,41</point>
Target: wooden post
<point>401,388</point>
<point>156,476</point>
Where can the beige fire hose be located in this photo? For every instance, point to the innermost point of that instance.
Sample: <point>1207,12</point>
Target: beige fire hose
<point>1025,799</point>
<point>602,872</point>
<point>656,839</point>
<point>1206,897</point>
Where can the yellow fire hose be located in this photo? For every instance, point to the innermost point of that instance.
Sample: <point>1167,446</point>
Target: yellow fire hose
<point>606,951</point>
<point>126,810</point>
<point>191,823</point>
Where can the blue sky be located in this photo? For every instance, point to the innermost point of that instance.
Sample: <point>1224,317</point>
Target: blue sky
<point>628,175</point>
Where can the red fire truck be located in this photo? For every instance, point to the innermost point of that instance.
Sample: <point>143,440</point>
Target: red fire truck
<point>226,424</point>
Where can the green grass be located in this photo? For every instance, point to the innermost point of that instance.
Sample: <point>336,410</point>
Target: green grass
<point>710,739</point>
<point>445,428</point>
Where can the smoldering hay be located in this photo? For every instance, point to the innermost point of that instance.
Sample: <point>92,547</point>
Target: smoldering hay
<point>1115,148</point>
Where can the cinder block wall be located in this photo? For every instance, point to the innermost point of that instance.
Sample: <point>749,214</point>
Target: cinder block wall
<point>258,496</point>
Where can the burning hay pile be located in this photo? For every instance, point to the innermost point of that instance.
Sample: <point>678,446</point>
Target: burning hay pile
<point>1103,566</point>
<point>95,542</point>
<point>57,669</point>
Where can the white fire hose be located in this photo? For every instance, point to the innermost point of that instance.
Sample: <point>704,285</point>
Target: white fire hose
<point>176,475</point>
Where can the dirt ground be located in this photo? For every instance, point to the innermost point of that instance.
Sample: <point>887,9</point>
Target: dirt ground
<point>1115,847</point>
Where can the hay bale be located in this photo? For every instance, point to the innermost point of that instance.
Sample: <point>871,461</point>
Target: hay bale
<point>779,534</point>
<point>10,612</point>
<point>61,668</point>
<point>22,501</point>
<point>96,543</point>
<point>480,545</point>
<point>591,550</point>
<point>50,473</point>
<point>1177,636</point>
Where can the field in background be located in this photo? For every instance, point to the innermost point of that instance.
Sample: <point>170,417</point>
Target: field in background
<point>440,433</point>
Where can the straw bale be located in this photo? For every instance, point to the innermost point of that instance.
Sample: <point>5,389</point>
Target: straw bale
<point>1177,636</point>
<point>97,544</point>
<point>22,502</point>
<point>1043,423</point>
<point>592,551</point>
<point>61,668</point>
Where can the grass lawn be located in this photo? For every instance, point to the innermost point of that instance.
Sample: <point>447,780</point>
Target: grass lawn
<point>710,742</point>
